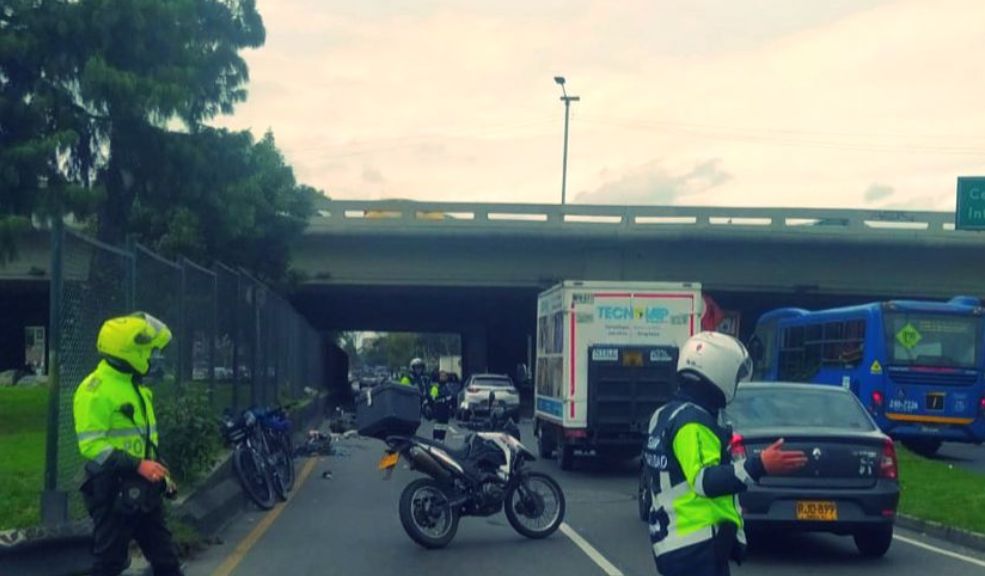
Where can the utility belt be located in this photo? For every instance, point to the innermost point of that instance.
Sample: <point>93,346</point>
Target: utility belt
<point>128,493</point>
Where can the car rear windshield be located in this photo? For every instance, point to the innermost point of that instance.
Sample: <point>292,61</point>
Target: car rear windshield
<point>492,383</point>
<point>796,408</point>
<point>933,340</point>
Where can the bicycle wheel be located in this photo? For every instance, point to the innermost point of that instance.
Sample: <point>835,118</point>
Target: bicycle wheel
<point>253,476</point>
<point>287,461</point>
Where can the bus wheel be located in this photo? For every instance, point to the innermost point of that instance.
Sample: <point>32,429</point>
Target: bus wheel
<point>923,446</point>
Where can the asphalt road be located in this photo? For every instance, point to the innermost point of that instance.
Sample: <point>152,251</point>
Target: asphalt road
<point>348,525</point>
<point>966,456</point>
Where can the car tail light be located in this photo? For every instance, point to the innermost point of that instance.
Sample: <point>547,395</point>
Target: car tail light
<point>473,389</point>
<point>576,433</point>
<point>737,446</point>
<point>981,405</point>
<point>888,466</point>
<point>877,400</point>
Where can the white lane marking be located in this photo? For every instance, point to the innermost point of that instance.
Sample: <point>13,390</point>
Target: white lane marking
<point>590,551</point>
<point>941,551</point>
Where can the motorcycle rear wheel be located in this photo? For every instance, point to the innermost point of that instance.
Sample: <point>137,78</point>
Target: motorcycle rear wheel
<point>523,505</point>
<point>425,514</point>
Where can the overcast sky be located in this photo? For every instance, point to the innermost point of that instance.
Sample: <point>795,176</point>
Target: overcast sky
<point>815,103</point>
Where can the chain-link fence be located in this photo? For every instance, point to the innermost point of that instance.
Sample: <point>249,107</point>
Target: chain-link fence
<point>234,338</point>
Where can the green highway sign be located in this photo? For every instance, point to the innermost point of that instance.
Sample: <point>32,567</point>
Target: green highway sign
<point>970,213</point>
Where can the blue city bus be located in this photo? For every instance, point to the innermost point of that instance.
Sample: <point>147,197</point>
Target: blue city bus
<point>918,367</point>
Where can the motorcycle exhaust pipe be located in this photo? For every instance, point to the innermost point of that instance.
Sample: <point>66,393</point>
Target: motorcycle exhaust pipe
<point>421,460</point>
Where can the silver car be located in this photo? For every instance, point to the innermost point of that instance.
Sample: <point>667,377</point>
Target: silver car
<point>474,397</point>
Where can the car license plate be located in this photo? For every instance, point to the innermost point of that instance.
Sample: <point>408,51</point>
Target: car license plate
<point>821,511</point>
<point>389,461</point>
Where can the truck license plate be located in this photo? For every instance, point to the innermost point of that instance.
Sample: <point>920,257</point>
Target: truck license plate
<point>818,511</point>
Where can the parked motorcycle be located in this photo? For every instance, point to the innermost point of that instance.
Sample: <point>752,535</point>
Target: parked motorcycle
<point>489,474</point>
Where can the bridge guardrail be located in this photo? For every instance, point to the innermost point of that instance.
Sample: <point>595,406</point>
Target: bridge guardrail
<point>382,213</point>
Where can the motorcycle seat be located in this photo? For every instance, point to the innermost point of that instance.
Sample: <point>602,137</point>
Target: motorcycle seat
<point>458,453</point>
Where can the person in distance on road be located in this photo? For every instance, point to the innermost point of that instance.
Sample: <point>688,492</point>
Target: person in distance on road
<point>695,525</point>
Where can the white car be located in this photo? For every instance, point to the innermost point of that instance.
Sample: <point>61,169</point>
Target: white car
<point>474,397</point>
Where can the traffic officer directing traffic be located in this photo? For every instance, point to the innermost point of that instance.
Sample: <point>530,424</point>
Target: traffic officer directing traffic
<point>117,434</point>
<point>695,525</point>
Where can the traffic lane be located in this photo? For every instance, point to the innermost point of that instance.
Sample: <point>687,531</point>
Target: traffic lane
<point>968,456</point>
<point>350,525</point>
<point>602,508</point>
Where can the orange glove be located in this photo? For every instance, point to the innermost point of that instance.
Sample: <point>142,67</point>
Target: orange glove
<point>152,471</point>
<point>776,460</point>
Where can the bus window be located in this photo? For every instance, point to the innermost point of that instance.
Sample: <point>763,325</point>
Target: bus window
<point>933,340</point>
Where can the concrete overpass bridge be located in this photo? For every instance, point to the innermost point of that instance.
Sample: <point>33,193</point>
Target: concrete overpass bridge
<point>475,269</point>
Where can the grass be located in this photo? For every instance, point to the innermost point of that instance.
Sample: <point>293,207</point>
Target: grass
<point>23,419</point>
<point>941,492</point>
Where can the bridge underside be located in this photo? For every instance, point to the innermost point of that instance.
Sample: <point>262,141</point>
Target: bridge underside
<point>484,286</point>
<point>497,325</point>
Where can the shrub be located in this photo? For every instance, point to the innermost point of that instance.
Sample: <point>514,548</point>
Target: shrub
<point>189,434</point>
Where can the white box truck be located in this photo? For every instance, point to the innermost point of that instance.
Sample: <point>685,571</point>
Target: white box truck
<point>606,359</point>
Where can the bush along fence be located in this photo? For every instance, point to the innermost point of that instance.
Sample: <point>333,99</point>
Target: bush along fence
<point>236,344</point>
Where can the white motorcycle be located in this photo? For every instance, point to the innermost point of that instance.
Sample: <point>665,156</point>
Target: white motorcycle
<point>487,475</point>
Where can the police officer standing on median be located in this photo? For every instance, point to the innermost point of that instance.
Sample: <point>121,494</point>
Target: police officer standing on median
<point>695,525</point>
<point>117,434</point>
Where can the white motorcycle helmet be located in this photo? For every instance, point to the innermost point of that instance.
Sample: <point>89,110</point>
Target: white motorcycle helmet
<point>716,358</point>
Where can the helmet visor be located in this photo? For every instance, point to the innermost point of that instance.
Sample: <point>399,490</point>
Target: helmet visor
<point>154,328</point>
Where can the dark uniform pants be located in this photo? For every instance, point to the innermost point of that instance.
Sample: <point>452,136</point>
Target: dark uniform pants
<point>709,558</point>
<point>697,560</point>
<point>441,412</point>
<point>111,535</point>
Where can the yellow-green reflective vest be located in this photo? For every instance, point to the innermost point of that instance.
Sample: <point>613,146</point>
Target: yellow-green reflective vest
<point>101,421</point>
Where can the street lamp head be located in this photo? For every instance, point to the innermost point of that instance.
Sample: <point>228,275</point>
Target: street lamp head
<point>559,80</point>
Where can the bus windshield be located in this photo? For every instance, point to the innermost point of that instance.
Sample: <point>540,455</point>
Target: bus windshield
<point>923,339</point>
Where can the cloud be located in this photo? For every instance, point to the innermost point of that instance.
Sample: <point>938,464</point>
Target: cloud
<point>652,183</point>
<point>807,102</point>
<point>877,192</point>
<point>372,175</point>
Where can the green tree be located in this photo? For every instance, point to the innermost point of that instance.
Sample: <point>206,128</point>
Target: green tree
<point>46,143</point>
<point>103,111</point>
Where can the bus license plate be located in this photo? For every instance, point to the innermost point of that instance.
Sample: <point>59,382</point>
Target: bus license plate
<point>389,461</point>
<point>818,511</point>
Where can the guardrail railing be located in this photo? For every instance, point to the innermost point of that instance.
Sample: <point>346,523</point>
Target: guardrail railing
<point>390,213</point>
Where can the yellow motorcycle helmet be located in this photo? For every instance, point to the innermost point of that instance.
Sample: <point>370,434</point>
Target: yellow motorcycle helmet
<point>133,339</point>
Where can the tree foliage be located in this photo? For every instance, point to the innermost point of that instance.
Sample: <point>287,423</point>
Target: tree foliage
<point>104,107</point>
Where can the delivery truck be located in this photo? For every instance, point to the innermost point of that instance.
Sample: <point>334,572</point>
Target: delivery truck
<point>606,359</point>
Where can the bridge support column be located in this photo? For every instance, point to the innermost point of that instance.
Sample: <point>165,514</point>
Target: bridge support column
<point>475,349</point>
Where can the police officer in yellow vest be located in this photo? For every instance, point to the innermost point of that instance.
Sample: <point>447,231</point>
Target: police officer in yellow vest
<point>117,435</point>
<point>695,525</point>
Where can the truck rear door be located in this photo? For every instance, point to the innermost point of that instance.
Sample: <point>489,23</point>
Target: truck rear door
<point>626,384</point>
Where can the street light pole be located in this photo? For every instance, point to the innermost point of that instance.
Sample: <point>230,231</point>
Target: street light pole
<point>567,113</point>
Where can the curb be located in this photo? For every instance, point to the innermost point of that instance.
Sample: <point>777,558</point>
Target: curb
<point>965,538</point>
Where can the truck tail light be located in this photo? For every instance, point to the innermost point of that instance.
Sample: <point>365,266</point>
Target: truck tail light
<point>737,446</point>
<point>888,465</point>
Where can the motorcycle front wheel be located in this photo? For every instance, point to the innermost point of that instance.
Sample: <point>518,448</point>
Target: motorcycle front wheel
<point>535,505</point>
<point>426,515</point>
